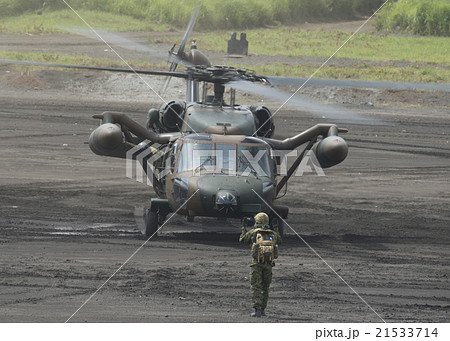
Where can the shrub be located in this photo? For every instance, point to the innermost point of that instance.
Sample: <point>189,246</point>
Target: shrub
<point>215,14</point>
<point>423,17</point>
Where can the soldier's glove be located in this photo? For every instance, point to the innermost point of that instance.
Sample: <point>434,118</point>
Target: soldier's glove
<point>247,222</point>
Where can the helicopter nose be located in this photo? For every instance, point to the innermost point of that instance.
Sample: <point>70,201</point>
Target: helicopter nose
<point>226,202</point>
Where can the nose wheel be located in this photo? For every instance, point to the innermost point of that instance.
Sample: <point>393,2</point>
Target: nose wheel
<point>155,215</point>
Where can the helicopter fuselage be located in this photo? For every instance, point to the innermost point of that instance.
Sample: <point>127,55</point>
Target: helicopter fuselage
<point>217,159</point>
<point>193,117</point>
<point>222,176</point>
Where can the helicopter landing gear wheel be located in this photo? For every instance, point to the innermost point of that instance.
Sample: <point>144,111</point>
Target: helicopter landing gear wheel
<point>151,222</point>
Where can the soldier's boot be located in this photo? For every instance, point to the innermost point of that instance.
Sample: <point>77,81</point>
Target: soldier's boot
<point>263,313</point>
<point>256,313</point>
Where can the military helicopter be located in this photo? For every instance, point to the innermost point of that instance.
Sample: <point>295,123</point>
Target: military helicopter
<point>235,172</point>
<point>226,137</point>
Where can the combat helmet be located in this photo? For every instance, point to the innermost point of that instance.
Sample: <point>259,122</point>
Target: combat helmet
<point>261,219</point>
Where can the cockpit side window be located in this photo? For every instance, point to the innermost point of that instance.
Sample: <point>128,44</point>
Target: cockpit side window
<point>173,154</point>
<point>253,159</point>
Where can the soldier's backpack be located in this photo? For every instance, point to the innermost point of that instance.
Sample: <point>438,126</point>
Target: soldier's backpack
<point>264,248</point>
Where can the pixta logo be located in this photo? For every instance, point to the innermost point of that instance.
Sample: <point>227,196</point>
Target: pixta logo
<point>308,164</point>
<point>154,162</point>
<point>147,155</point>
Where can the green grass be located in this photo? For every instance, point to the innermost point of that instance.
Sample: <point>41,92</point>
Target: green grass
<point>215,14</point>
<point>424,17</point>
<point>51,22</point>
<point>416,74</point>
<point>292,41</point>
<point>363,71</point>
<point>76,59</point>
<point>430,56</point>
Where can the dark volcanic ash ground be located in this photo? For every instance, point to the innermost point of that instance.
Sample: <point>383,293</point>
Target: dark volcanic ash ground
<point>69,219</point>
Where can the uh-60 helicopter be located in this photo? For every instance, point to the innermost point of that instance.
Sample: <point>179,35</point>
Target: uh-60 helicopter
<point>217,158</point>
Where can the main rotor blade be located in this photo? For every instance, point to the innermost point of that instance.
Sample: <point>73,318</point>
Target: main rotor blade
<point>345,83</point>
<point>172,68</point>
<point>179,56</point>
<point>165,86</point>
<point>111,38</point>
<point>189,28</point>
<point>96,68</point>
<point>335,113</point>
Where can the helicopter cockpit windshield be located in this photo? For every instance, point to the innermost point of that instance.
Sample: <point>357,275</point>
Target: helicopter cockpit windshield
<point>234,159</point>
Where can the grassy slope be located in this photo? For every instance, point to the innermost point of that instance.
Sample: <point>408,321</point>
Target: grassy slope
<point>429,55</point>
<point>51,22</point>
<point>76,59</point>
<point>292,41</point>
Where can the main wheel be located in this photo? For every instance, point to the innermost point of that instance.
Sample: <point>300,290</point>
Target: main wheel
<point>151,222</point>
<point>281,227</point>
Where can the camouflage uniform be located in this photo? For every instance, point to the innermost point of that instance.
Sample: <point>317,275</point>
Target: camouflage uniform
<point>260,273</point>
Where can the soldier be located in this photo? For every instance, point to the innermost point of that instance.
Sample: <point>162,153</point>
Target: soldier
<point>264,250</point>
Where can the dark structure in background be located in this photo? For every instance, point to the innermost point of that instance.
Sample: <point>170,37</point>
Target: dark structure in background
<point>238,46</point>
